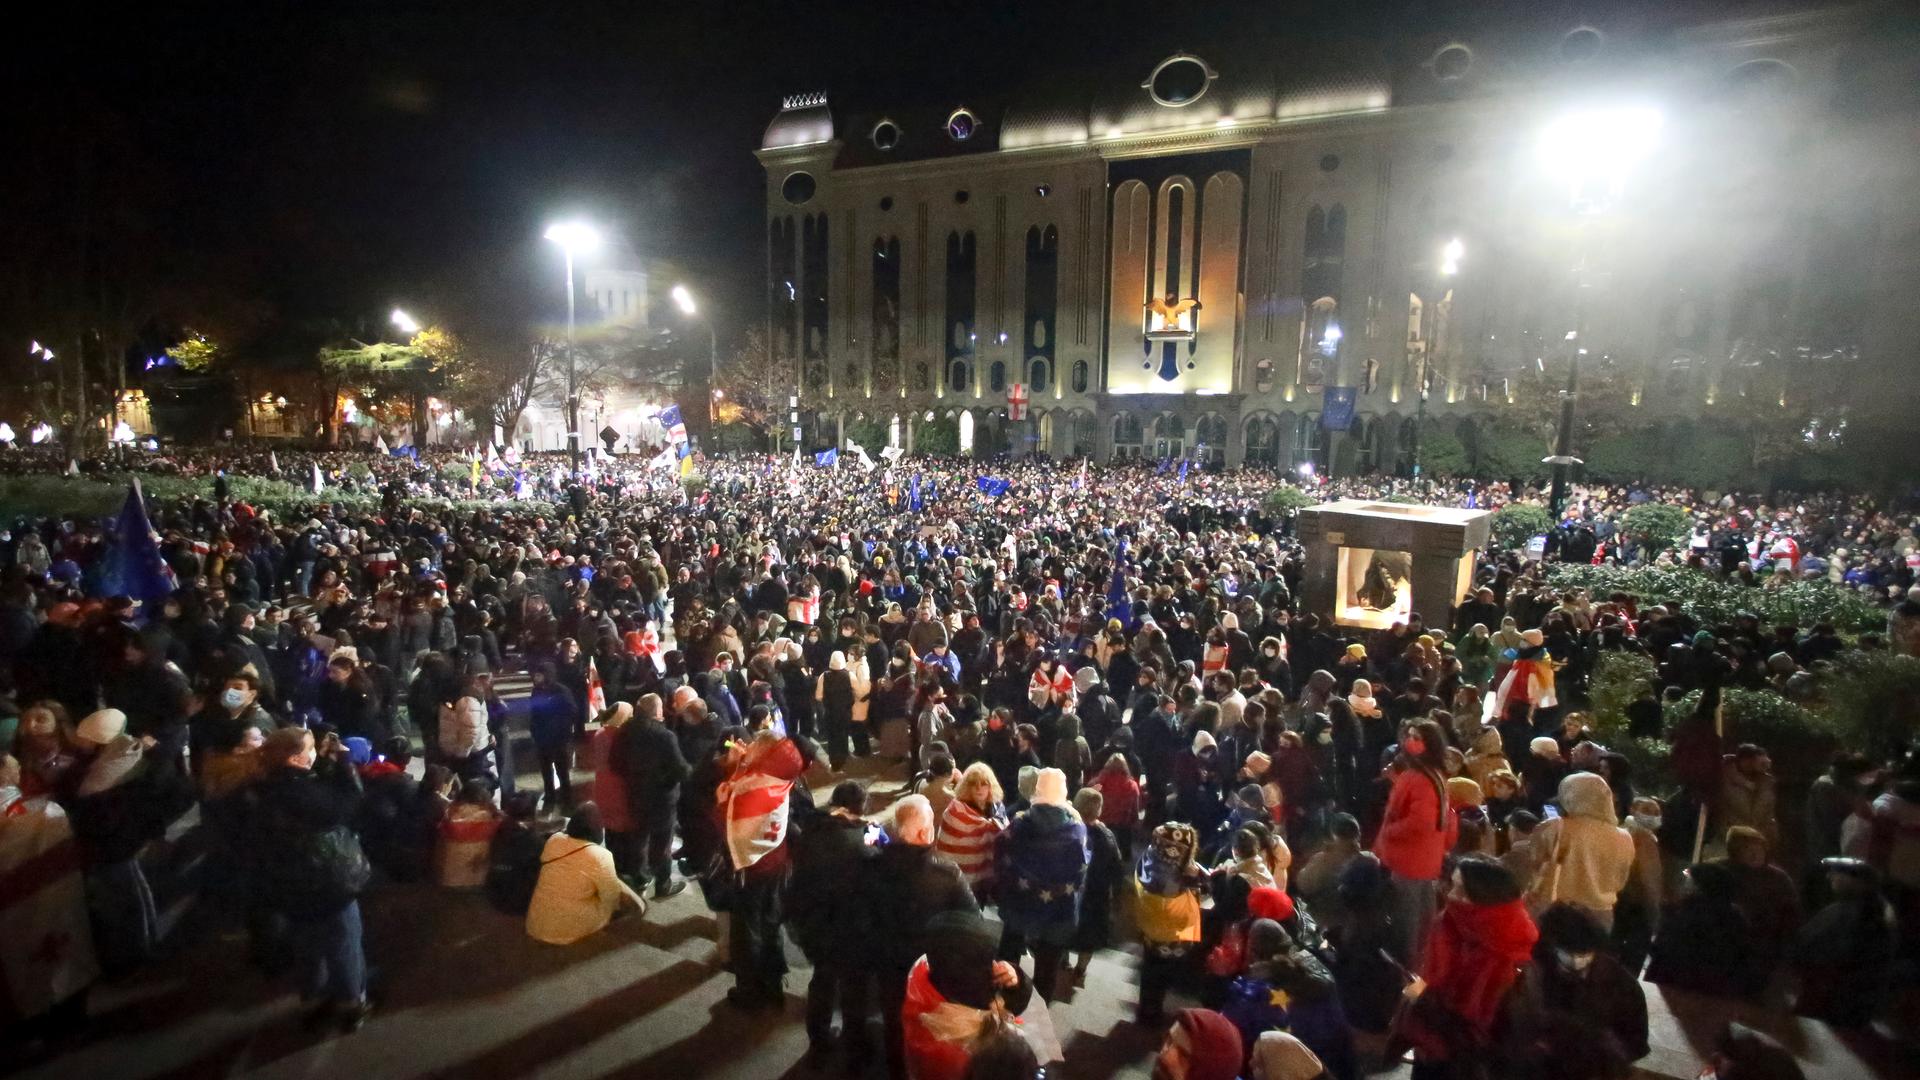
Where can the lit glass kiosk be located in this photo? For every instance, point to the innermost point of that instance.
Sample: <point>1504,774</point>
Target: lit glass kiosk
<point>1372,564</point>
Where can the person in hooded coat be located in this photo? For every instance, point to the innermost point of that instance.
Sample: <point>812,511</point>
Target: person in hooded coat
<point>1041,866</point>
<point>1705,943</point>
<point>1586,858</point>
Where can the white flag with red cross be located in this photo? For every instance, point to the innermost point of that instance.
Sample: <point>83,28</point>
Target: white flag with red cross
<point>1017,401</point>
<point>596,691</point>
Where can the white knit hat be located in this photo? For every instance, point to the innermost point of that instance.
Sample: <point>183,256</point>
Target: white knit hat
<point>1050,789</point>
<point>102,727</point>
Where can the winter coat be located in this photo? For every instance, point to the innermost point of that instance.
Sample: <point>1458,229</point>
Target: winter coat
<point>126,798</point>
<point>577,892</point>
<point>966,839</point>
<point>1419,827</point>
<point>1295,994</point>
<point>550,714</point>
<point>464,729</point>
<point>293,808</point>
<point>654,764</point>
<point>1104,872</point>
<point>609,784</point>
<point>1594,856</point>
<point>822,902</point>
<point>1041,868</point>
<point>1473,957</point>
<point>900,890</point>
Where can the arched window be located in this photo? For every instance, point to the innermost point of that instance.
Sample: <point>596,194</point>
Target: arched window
<point>1169,436</point>
<point>1211,433</point>
<point>997,376</point>
<point>1038,374</point>
<point>1084,435</point>
<point>961,255</point>
<point>1127,436</point>
<point>1366,440</point>
<point>1263,376</point>
<point>1263,445</point>
<point>1309,447</point>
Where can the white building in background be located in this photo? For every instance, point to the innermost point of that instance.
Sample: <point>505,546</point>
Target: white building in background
<point>612,296</point>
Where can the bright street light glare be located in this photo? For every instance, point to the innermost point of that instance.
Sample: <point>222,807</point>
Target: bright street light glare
<point>405,322</point>
<point>684,299</point>
<point>1593,150</point>
<point>577,238</point>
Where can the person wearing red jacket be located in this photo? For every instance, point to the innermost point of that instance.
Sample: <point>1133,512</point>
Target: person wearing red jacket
<point>1472,959</point>
<point>1417,831</point>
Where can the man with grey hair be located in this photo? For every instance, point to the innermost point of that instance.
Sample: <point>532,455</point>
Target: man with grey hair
<point>904,887</point>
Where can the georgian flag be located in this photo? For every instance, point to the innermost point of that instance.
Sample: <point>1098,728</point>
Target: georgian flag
<point>46,955</point>
<point>596,691</point>
<point>755,800</point>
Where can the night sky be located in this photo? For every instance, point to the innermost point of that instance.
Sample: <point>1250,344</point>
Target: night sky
<point>280,162</point>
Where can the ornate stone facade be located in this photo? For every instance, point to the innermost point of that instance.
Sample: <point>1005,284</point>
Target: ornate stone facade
<point>1184,259</point>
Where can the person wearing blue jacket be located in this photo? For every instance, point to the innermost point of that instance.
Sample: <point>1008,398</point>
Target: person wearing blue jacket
<point>1040,869</point>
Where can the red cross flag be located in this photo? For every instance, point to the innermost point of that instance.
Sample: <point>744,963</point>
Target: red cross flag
<point>1017,401</point>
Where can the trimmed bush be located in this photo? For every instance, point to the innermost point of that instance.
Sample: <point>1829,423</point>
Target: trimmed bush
<point>1656,526</point>
<point>1873,699</point>
<point>1713,600</point>
<point>1286,500</point>
<point>1800,741</point>
<point>1616,682</point>
<point>1517,523</point>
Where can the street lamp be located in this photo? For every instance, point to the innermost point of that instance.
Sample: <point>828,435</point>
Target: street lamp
<point>683,299</point>
<point>574,238</point>
<point>1450,255</point>
<point>405,322</point>
<point>1591,152</point>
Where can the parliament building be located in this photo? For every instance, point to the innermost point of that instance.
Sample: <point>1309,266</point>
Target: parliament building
<point>1278,252</point>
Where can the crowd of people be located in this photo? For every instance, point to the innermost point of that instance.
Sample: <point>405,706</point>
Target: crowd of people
<point>1118,732</point>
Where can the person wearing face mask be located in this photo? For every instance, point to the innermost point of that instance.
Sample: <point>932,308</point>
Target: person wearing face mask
<point>1579,1013</point>
<point>1417,832</point>
<point>220,720</point>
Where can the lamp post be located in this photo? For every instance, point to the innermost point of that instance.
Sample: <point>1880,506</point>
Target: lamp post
<point>1450,255</point>
<point>1590,152</point>
<point>683,299</point>
<point>574,238</point>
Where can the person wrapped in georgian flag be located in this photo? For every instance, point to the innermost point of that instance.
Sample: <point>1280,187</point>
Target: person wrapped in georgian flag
<point>46,953</point>
<point>1529,679</point>
<point>754,799</point>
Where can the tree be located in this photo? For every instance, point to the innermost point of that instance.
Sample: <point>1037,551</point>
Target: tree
<point>403,370</point>
<point>196,353</point>
<point>756,381</point>
<point>1517,523</point>
<point>496,381</point>
<point>1656,526</point>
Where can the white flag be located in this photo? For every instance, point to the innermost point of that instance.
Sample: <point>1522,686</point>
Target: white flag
<point>893,453</point>
<point>73,467</point>
<point>273,459</point>
<point>380,443</point>
<point>319,482</point>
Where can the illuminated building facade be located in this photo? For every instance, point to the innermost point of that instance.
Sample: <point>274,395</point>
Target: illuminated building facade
<point>1193,253</point>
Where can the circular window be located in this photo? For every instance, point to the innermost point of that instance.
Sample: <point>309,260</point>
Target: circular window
<point>1452,62</point>
<point>886,202</point>
<point>1760,81</point>
<point>960,125</point>
<point>1329,162</point>
<point>1581,44</point>
<point>886,135</point>
<point>960,197</point>
<point>1179,80</point>
<point>798,188</point>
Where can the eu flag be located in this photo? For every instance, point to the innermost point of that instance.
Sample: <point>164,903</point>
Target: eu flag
<point>827,457</point>
<point>134,566</point>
